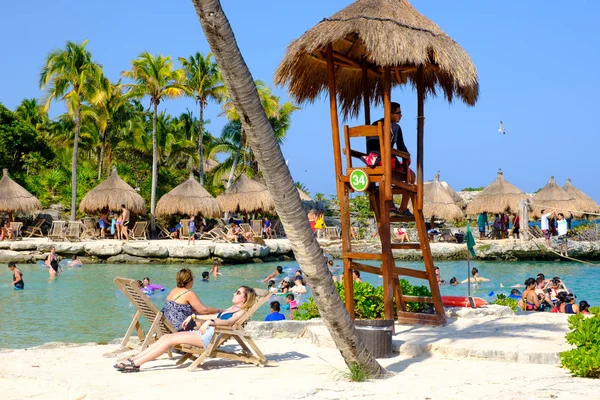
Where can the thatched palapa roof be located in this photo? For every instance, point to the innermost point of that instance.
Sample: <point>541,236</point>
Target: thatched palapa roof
<point>304,196</point>
<point>189,198</point>
<point>439,202</point>
<point>584,202</point>
<point>384,33</point>
<point>246,195</point>
<point>15,198</point>
<point>110,194</point>
<point>553,196</point>
<point>498,197</point>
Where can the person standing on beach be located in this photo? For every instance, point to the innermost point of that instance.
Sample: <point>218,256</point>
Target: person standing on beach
<point>398,141</point>
<point>546,226</point>
<point>192,228</point>
<point>482,223</point>
<point>125,214</point>
<point>17,281</point>
<point>516,225</point>
<point>562,234</point>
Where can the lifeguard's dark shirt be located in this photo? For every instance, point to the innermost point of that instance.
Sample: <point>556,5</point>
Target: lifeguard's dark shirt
<point>397,139</point>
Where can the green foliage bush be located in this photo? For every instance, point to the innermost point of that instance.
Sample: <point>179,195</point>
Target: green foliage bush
<point>470,189</point>
<point>584,360</point>
<point>368,301</point>
<point>502,300</point>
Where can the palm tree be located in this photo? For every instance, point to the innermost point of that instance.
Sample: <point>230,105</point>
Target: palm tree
<point>72,76</point>
<point>203,82</point>
<point>31,111</point>
<point>154,77</point>
<point>263,142</point>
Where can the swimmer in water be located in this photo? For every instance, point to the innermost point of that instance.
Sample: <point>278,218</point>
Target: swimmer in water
<point>74,263</point>
<point>475,278</point>
<point>52,263</point>
<point>17,281</point>
<point>205,275</point>
<point>150,288</point>
<point>215,269</point>
<point>278,271</point>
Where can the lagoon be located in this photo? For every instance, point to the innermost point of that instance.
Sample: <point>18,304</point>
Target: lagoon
<point>83,305</point>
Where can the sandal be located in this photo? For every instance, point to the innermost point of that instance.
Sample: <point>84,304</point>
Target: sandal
<point>131,367</point>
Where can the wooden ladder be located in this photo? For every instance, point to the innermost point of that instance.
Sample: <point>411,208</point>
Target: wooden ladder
<point>384,184</point>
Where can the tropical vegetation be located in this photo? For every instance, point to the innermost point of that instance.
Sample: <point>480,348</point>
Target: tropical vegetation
<point>126,124</point>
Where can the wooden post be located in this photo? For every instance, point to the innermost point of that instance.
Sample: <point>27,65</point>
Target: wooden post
<point>342,191</point>
<point>420,132</point>
<point>386,199</point>
<point>524,217</point>
<point>365,89</point>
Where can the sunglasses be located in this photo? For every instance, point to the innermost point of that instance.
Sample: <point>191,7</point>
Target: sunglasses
<point>238,292</point>
<point>399,113</point>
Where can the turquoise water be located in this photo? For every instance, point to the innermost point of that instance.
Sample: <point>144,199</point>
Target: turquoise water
<point>82,305</point>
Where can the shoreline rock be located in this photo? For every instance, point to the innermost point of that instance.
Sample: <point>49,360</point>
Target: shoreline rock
<point>275,250</point>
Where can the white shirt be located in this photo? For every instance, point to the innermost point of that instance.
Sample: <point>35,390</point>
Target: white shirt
<point>562,226</point>
<point>545,221</point>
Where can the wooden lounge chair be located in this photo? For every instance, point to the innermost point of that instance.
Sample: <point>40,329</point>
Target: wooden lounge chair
<point>163,233</point>
<point>277,229</point>
<point>139,231</point>
<point>256,225</point>
<point>89,230</point>
<point>35,229</point>
<point>250,353</point>
<point>159,325</point>
<point>74,230</point>
<point>331,232</point>
<point>57,230</point>
<point>447,236</point>
<point>214,233</point>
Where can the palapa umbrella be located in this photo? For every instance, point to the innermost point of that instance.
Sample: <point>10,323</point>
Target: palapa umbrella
<point>584,202</point>
<point>457,199</point>
<point>111,194</point>
<point>551,197</point>
<point>15,198</point>
<point>303,195</point>
<point>498,197</point>
<point>189,198</point>
<point>439,202</point>
<point>246,195</point>
<point>382,33</point>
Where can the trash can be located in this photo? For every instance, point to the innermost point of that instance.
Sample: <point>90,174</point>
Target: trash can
<point>460,237</point>
<point>376,334</point>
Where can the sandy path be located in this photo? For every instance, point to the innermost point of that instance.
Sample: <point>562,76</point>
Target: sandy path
<point>299,370</point>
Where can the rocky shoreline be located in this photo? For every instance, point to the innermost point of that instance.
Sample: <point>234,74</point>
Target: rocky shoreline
<point>203,252</point>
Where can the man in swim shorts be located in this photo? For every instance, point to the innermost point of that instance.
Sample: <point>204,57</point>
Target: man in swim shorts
<point>125,214</point>
<point>482,223</point>
<point>562,234</point>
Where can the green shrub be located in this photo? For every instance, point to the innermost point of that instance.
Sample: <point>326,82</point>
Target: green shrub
<point>502,300</point>
<point>368,301</point>
<point>584,360</point>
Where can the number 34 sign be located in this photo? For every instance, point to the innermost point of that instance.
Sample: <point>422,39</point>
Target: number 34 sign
<point>359,180</point>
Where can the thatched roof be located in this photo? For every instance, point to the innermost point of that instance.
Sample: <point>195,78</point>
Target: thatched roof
<point>110,194</point>
<point>189,198</point>
<point>304,196</point>
<point>552,196</point>
<point>439,202</point>
<point>246,195</point>
<point>385,33</point>
<point>455,196</point>
<point>15,198</point>
<point>584,202</point>
<point>498,197</point>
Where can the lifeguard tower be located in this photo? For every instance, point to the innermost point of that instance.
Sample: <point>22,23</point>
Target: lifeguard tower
<point>357,56</point>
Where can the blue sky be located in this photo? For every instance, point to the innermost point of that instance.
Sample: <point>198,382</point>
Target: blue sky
<point>536,62</point>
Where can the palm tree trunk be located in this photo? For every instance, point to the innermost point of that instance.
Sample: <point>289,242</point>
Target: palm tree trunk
<point>201,141</point>
<point>154,169</point>
<point>270,159</point>
<point>101,160</point>
<point>234,166</point>
<point>74,162</point>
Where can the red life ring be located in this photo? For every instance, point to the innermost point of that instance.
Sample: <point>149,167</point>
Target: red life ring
<point>462,301</point>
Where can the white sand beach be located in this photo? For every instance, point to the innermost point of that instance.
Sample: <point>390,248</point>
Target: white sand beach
<point>299,369</point>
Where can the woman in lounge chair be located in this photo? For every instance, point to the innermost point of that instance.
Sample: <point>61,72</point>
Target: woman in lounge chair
<point>182,302</point>
<point>242,300</point>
